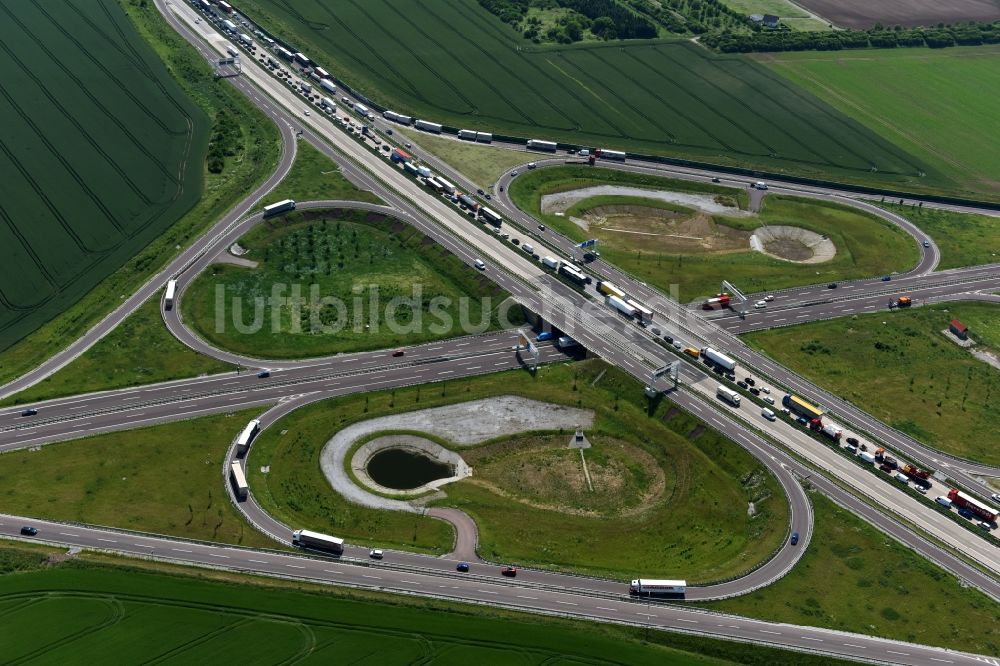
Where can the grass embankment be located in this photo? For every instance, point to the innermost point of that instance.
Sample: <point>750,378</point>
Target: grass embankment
<point>315,177</point>
<point>946,128</point>
<point>866,246</point>
<point>482,165</point>
<point>372,269</point>
<point>695,524</point>
<point>901,369</point>
<point>139,351</point>
<point>854,578</point>
<point>148,609</point>
<point>165,479</point>
<point>254,144</point>
<point>965,239</point>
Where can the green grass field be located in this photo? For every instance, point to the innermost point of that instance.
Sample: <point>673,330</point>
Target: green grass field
<point>255,157</point>
<point>140,351</point>
<point>904,371</point>
<point>964,239</point>
<point>80,609</point>
<point>363,259</point>
<point>482,165</point>
<point>698,526</point>
<point>790,14</point>
<point>866,246</point>
<point>853,578</point>
<point>948,125</point>
<point>101,153</point>
<point>313,178</point>
<point>165,479</point>
<point>455,63</point>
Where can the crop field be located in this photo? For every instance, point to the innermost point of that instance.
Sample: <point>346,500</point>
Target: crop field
<point>864,13</point>
<point>87,608</point>
<point>952,126</point>
<point>99,154</point>
<point>898,367</point>
<point>452,62</point>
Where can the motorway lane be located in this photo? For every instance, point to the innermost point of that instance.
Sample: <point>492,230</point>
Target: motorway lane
<point>491,589</point>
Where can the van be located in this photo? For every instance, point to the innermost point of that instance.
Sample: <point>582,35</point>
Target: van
<point>480,264</point>
<point>902,478</point>
<point>943,501</point>
<point>527,248</point>
<point>767,414</point>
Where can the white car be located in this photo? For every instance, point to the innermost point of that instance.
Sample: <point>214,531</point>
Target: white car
<point>995,497</point>
<point>677,345</point>
<point>759,304</point>
<point>307,112</point>
<point>480,264</point>
<point>376,554</point>
<point>768,399</point>
<point>531,165</point>
<point>764,389</point>
<point>769,298</point>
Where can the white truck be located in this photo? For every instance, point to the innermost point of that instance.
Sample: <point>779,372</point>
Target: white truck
<point>550,262</point>
<point>620,304</point>
<point>728,394</point>
<point>867,457</point>
<point>647,587</point>
<point>317,541</point>
<point>718,359</point>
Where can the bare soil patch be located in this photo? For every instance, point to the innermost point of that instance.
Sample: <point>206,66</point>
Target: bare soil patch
<point>865,14</point>
<point>660,230</point>
<point>789,249</point>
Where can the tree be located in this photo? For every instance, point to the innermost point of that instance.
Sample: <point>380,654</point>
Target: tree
<point>604,27</point>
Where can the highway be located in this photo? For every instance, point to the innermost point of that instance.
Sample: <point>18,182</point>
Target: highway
<point>303,381</point>
<point>485,585</point>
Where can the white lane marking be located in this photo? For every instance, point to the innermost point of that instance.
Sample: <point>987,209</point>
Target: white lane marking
<point>902,654</point>
<point>294,566</point>
<point>944,661</point>
<point>225,557</point>
<point>107,540</point>
<point>367,576</point>
<point>142,545</point>
<point>860,647</point>
<point>765,631</point>
<point>410,582</point>
<point>613,610</point>
<point>806,638</point>
<point>521,596</point>
<point>257,561</point>
<point>446,372</point>
<point>570,603</point>
<point>68,534</point>
<point>486,592</point>
<point>181,550</point>
<point>646,614</point>
<point>681,619</point>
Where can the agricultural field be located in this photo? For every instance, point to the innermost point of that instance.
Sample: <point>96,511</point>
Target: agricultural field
<point>853,578</point>
<point>949,125</point>
<point>84,607</point>
<point>378,284</point>
<point>454,63</point>
<point>101,153</point>
<point>965,239</point>
<point>901,369</point>
<point>126,480</point>
<point>681,491</point>
<point>703,234</point>
<point>864,14</point>
<point>791,14</point>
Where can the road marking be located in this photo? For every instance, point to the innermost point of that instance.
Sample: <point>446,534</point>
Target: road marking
<point>68,534</point>
<point>181,550</point>
<point>649,615</point>
<point>765,631</point>
<point>222,556</point>
<point>257,561</point>
<point>410,582</point>
<point>613,610</point>
<point>333,571</point>
<point>142,545</point>
<point>367,576</point>
<point>944,661</point>
<point>294,566</point>
<point>860,647</point>
<point>681,619</point>
<point>818,640</point>
<point>570,603</point>
<point>521,596</point>
<point>107,540</point>
<point>446,372</point>
<point>902,654</point>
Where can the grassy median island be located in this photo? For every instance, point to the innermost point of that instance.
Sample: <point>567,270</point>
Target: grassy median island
<point>379,283</point>
<point>139,351</point>
<point>316,177</point>
<point>250,144</point>
<point>482,165</point>
<point>696,245</point>
<point>965,239</point>
<point>854,578</point>
<point>682,492</point>
<point>165,479</point>
<point>901,369</point>
<point>145,610</point>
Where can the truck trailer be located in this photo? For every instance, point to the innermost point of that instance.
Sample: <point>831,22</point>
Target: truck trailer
<point>834,432</point>
<point>239,481</point>
<point>801,407</point>
<point>958,498</point>
<point>279,207</point>
<point>718,359</point>
<point>609,289</point>
<point>915,472</point>
<point>550,262</point>
<point>468,135</point>
<point>728,394</point>
<point>646,587</point>
<point>538,144</point>
<point>168,298</point>
<point>327,84</point>
<point>620,305</point>
<point>428,126</point>
<point>606,154</point>
<point>316,541</point>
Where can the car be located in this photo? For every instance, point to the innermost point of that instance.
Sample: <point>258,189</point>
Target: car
<point>488,196</point>
<point>742,384</point>
<point>398,353</point>
<point>832,285</point>
<point>29,531</point>
<point>769,298</point>
<point>408,145</point>
<point>754,390</point>
<point>388,131</point>
<point>545,335</point>
<point>501,188</point>
<point>509,571</point>
<point>965,513</point>
<point>263,374</point>
<point>731,377</point>
<point>503,234</point>
<point>677,344</point>
<point>886,278</point>
<point>515,241</point>
<point>759,304</point>
<point>927,243</point>
<point>768,399</point>
<point>376,554</point>
<point>764,389</point>
<point>795,538</point>
<point>197,20</point>
<point>751,381</point>
<point>985,525</point>
<point>919,488</point>
<point>715,180</point>
<point>385,147</point>
<point>513,173</point>
<point>669,339</point>
<point>995,497</point>
<point>531,165</point>
<point>541,227</point>
<point>307,112</point>
<point>480,192</point>
<point>30,411</point>
<point>802,420</point>
<point>655,330</point>
<point>462,566</point>
<point>852,440</point>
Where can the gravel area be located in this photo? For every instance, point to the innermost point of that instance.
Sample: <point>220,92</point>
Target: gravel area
<point>561,201</point>
<point>466,423</point>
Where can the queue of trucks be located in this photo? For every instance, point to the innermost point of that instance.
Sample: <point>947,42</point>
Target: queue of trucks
<point>618,300</point>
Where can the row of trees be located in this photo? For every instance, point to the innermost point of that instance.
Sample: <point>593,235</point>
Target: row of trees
<point>606,19</point>
<point>940,36</point>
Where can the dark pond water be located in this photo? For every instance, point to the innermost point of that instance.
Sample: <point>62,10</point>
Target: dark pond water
<point>404,470</point>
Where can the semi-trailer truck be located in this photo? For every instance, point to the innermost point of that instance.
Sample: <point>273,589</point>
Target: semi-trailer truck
<point>316,541</point>
<point>619,305</point>
<point>728,394</point>
<point>168,299</point>
<point>834,432</point>
<point>719,302</point>
<point>718,359</point>
<point>958,498</point>
<point>607,289</point>
<point>915,472</point>
<point>801,407</point>
<point>647,587</point>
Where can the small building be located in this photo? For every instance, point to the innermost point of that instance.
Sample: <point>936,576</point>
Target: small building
<point>770,21</point>
<point>959,329</point>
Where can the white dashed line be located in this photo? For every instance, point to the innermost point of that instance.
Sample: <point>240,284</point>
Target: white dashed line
<point>765,631</point>
<point>181,550</point>
<point>902,654</point>
<point>294,566</point>
<point>68,534</point>
<point>613,610</point>
<point>367,576</point>
<point>107,540</point>
<point>224,557</point>
<point>681,619</point>
<point>570,603</point>
<point>860,647</point>
<point>257,561</point>
<point>806,638</point>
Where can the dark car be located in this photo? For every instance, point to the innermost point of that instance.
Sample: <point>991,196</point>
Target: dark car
<point>510,571</point>
<point>263,374</point>
<point>515,241</point>
<point>669,339</point>
<point>886,278</point>
<point>29,531</point>
<point>488,197</point>
<point>802,420</point>
<point>480,192</point>
<point>398,352</point>
<point>731,377</point>
<point>927,243</point>
<point>965,513</point>
<point>545,335</point>
<point>751,381</point>
<point>852,440</point>
<point>742,384</point>
<point>30,411</point>
<point>715,180</point>
<point>754,391</point>
<point>541,227</point>
<point>795,538</point>
<point>463,567</point>
<point>832,285</point>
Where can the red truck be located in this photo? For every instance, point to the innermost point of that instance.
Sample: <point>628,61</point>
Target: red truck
<point>916,473</point>
<point>958,498</point>
<point>720,302</point>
